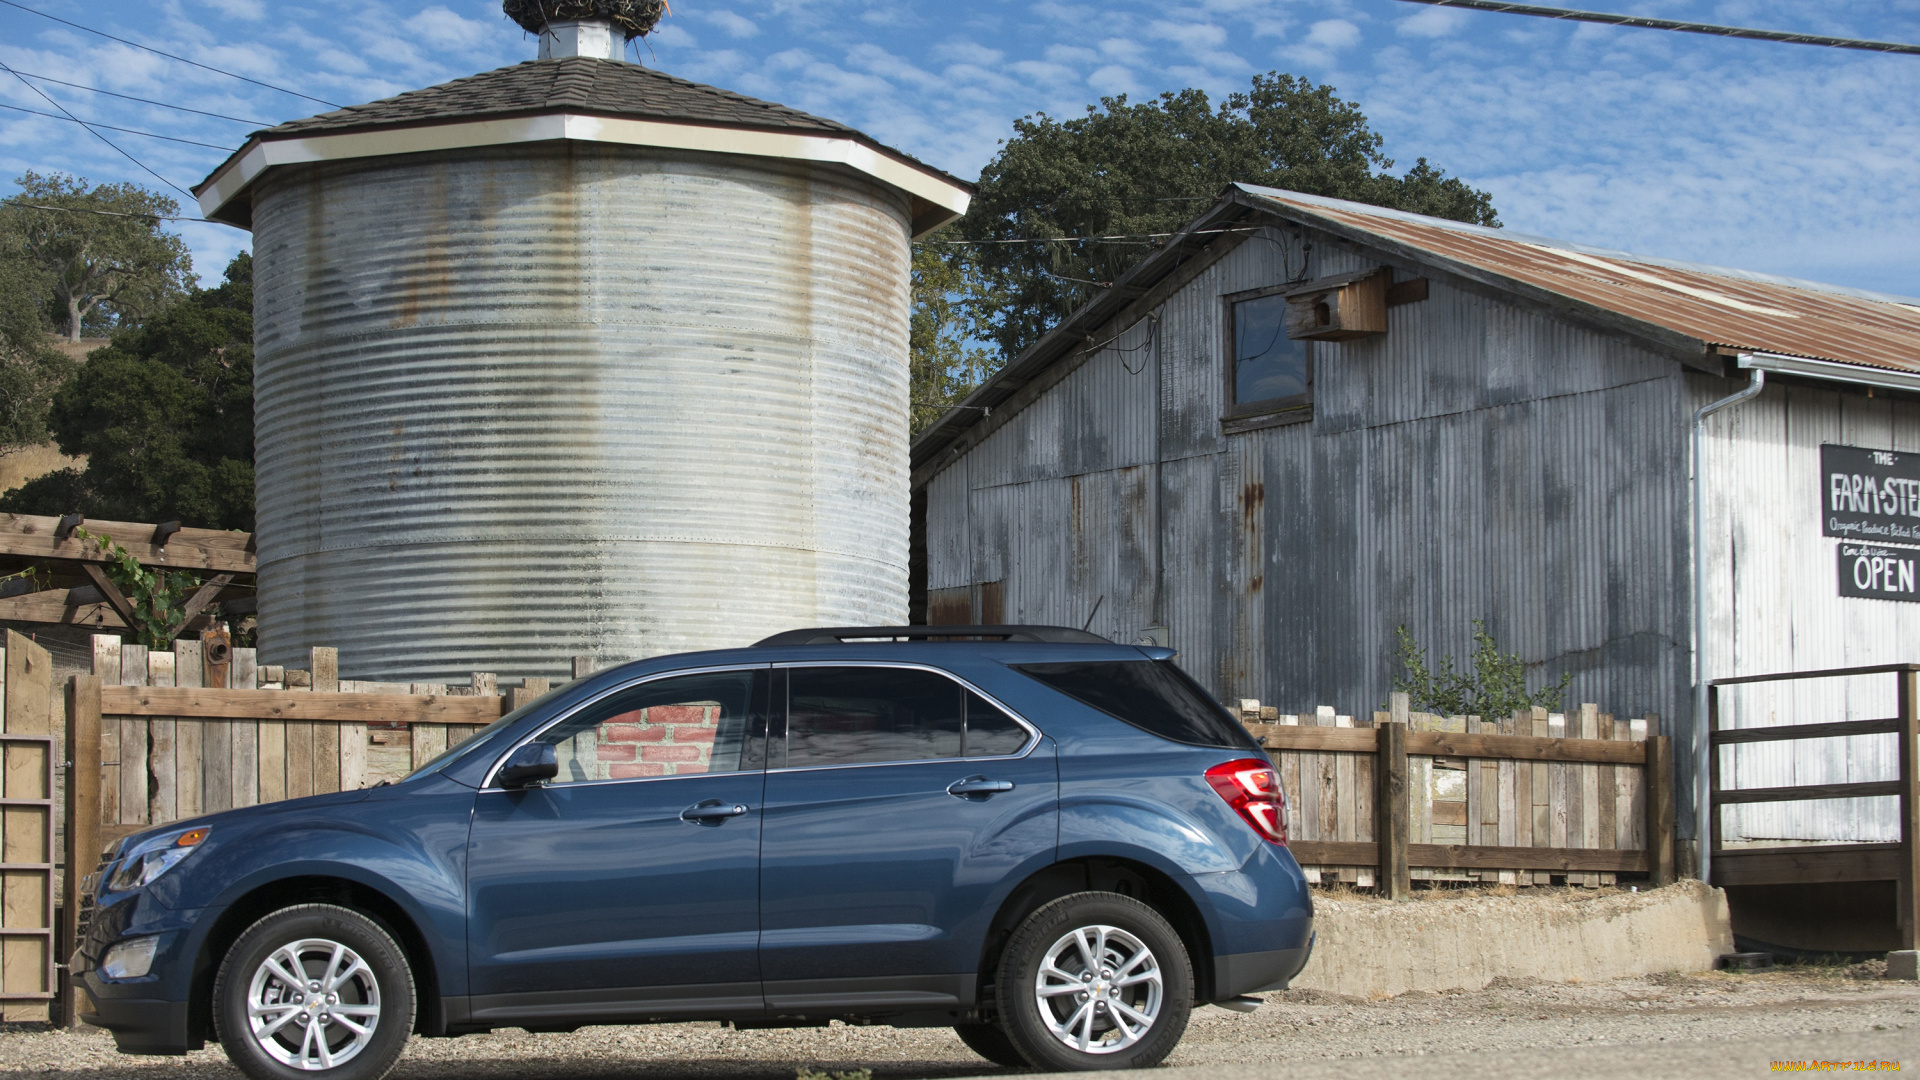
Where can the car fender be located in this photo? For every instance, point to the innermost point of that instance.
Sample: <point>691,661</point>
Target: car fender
<point>1160,834</point>
<point>425,885</point>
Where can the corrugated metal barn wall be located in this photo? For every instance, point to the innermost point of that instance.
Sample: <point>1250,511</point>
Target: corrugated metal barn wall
<point>1481,460</point>
<point>1775,604</point>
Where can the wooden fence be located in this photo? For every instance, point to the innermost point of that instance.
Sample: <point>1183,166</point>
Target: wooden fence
<point>1531,799</point>
<point>156,737</point>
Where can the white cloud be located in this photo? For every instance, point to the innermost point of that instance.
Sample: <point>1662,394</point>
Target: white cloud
<point>442,27</point>
<point>1334,34</point>
<point>1113,79</point>
<point>733,25</point>
<point>249,10</point>
<point>1432,22</point>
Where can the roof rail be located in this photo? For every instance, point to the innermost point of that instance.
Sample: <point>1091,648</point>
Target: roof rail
<point>834,635</point>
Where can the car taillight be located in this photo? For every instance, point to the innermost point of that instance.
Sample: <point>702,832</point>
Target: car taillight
<point>1252,788</point>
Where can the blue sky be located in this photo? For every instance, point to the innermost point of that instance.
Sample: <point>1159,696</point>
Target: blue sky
<point>1778,158</point>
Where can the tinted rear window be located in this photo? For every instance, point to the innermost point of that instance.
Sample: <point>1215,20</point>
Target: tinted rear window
<point>1151,695</point>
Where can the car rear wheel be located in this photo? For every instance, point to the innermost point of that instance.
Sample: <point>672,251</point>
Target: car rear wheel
<point>990,1042</point>
<point>1095,981</point>
<point>314,991</point>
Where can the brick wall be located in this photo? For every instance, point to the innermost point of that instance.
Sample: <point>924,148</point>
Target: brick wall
<point>666,740</point>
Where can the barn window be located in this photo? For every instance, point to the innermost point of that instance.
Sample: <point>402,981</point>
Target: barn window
<point>1267,371</point>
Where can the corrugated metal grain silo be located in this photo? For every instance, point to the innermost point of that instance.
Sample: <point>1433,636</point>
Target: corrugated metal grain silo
<point>575,357</point>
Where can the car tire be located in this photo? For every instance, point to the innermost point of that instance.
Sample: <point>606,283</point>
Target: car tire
<point>349,1021</point>
<point>1138,991</point>
<point>991,1042</point>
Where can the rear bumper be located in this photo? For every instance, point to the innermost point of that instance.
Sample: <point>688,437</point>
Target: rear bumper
<point>1258,973</point>
<point>141,1025</point>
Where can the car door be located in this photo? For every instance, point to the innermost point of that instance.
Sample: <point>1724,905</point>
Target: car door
<point>901,805</point>
<point>630,883</point>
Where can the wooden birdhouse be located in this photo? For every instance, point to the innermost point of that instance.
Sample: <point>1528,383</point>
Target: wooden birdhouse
<point>1339,308</point>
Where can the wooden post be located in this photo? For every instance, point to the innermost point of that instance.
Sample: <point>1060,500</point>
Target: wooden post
<point>1390,809</point>
<point>1909,913</point>
<point>1659,788</point>
<point>1710,843</point>
<point>83,816</point>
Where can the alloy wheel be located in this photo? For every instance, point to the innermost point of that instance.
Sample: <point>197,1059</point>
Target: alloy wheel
<point>1099,989</point>
<point>313,1004</point>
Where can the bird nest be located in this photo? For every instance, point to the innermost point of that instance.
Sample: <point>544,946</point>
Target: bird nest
<point>633,17</point>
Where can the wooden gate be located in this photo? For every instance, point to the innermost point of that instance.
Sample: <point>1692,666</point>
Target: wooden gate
<point>1898,861</point>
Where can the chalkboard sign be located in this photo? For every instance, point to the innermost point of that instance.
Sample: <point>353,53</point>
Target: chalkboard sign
<point>1871,495</point>
<point>1879,572</point>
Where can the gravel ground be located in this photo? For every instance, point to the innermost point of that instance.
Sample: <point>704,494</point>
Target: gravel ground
<point>1700,1025</point>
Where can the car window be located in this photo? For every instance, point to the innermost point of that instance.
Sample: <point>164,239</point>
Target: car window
<point>866,715</point>
<point>680,726</point>
<point>990,732</point>
<point>1152,695</point>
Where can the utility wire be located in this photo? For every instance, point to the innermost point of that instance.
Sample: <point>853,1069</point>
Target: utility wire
<point>110,127</point>
<point>105,213</point>
<point>1666,24</point>
<point>90,127</point>
<point>147,101</point>
<point>170,56</point>
<point>1078,239</point>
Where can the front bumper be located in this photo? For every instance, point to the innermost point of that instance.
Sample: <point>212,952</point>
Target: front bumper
<point>150,1014</point>
<point>141,1025</point>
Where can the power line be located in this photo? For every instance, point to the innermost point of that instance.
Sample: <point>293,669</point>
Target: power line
<point>1081,239</point>
<point>110,127</point>
<point>90,127</point>
<point>147,101</point>
<point>1666,24</point>
<point>105,213</point>
<point>170,56</point>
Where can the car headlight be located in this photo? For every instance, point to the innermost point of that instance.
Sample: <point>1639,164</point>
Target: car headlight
<point>151,858</point>
<point>130,959</point>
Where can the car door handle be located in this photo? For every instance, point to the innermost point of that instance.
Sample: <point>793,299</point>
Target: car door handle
<point>711,812</point>
<point>978,787</point>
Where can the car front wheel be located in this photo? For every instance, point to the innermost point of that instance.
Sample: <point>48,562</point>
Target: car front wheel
<point>314,991</point>
<point>1095,981</point>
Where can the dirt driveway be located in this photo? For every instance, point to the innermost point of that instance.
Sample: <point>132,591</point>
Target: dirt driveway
<point>1692,1026</point>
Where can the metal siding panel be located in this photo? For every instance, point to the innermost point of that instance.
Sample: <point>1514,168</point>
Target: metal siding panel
<point>517,405</point>
<point>1483,459</point>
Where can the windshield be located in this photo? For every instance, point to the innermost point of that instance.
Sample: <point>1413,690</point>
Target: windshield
<point>1152,695</point>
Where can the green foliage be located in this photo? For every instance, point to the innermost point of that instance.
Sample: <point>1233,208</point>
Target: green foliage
<point>817,1074</point>
<point>945,365</point>
<point>30,369</point>
<point>158,597</point>
<point>165,417</point>
<point>99,263</point>
<point>1496,687</point>
<point>1127,169</point>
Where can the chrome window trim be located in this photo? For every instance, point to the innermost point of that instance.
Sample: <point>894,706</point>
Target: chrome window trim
<point>1034,734</point>
<point>487,784</point>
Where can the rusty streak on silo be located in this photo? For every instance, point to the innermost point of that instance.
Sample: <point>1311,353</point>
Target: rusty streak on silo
<point>574,357</point>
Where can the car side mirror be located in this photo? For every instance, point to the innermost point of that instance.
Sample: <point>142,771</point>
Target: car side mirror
<point>532,764</point>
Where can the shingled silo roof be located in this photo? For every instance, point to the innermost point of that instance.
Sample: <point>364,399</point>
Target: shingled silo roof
<point>580,98</point>
<point>576,84</point>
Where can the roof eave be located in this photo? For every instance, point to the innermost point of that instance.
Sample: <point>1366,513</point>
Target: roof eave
<point>1683,347</point>
<point>1072,331</point>
<point>936,198</point>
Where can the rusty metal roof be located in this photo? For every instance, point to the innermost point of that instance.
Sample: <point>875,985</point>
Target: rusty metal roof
<point>1691,311</point>
<point>1718,307</point>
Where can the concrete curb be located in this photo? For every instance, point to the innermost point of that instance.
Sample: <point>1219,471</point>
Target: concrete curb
<point>1374,949</point>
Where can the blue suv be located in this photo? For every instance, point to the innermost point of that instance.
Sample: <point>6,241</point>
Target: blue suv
<point>1055,845</point>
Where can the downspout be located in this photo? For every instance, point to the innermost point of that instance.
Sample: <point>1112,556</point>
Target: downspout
<point>1703,749</point>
